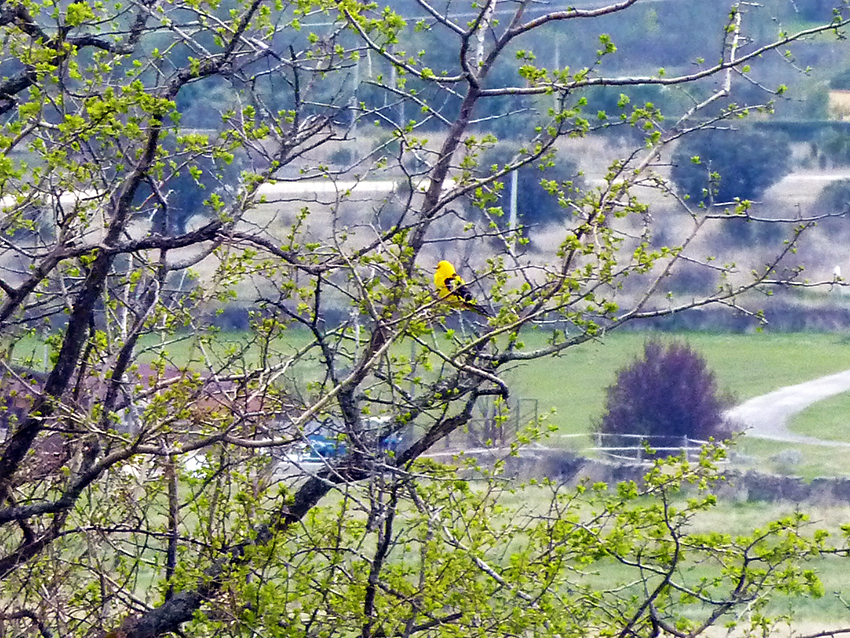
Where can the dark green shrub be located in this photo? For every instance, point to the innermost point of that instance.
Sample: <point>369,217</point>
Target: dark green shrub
<point>840,81</point>
<point>834,198</point>
<point>834,147</point>
<point>691,278</point>
<point>720,166</point>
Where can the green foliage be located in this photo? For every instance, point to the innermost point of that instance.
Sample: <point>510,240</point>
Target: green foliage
<point>617,108</point>
<point>835,197</point>
<point>449,556</point>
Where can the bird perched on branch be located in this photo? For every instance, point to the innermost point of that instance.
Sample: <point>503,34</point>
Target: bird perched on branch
<point>453,289</point>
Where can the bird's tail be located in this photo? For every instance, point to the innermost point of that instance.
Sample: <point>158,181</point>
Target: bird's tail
<point>480,310</point>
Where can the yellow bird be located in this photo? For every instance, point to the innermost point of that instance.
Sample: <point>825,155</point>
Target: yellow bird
<point>452,288</point>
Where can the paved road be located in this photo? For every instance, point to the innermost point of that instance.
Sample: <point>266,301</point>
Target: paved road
<point>766,417</point>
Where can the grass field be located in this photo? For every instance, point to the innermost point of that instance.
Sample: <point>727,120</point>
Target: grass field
<point>806,461</point>
<point>827,419</point>
<point>573,384</point>
<point>740,519</point>
<point>746,365</point>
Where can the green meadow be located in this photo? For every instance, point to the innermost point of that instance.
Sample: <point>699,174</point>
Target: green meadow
<point>570,388</point>
<point>827,419</point>
<point>746,365</point>
<point>574,382</point>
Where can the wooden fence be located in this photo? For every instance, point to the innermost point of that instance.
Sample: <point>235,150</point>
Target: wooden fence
<point>638,448</point>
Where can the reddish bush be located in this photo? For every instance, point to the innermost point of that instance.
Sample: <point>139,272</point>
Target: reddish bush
<point>670,392</point>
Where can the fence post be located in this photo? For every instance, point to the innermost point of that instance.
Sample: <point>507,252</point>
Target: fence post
<point>685,450</point>
<point>517,410</point>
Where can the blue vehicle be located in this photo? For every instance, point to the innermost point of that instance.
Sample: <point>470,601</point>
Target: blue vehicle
<point>392,443</point>
<point>321,446</point>
<point>325,443</point>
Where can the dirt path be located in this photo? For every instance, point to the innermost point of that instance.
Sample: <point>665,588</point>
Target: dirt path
<point>766,417</point>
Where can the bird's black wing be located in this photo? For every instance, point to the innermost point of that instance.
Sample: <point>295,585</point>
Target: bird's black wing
<point>460,291</point>
<point>458,288</point>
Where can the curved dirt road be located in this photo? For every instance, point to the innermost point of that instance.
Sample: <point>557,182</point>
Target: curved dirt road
<point>766,417</point>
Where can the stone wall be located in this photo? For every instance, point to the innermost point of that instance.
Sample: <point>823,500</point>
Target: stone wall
<point>750,486</point>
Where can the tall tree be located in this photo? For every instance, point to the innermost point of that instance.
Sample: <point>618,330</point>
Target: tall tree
<point>104,528</point>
